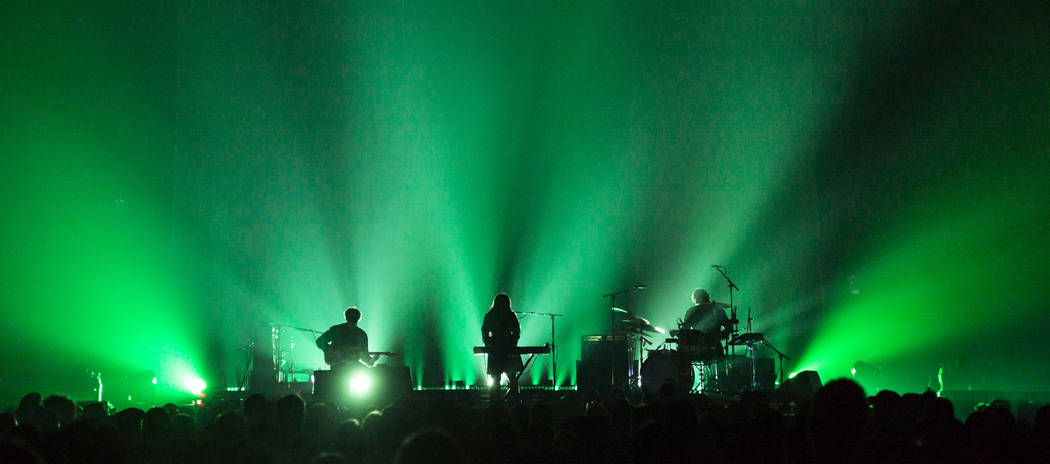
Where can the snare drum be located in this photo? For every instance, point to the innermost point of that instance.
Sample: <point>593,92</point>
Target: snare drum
<point>663,366</point>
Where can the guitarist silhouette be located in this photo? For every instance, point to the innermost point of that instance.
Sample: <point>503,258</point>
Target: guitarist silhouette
<point>346,344</point>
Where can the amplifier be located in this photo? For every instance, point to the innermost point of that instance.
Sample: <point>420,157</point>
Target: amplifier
<point>603,361</point>
<point>593,347</point>
<point>385,383</point>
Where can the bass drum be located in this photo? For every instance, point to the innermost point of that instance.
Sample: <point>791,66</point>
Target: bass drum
<point>665,366</point>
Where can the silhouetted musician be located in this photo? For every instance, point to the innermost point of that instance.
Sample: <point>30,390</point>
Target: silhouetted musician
<point>704,325</point>
<point>500,332</point>
<point>346,344</point>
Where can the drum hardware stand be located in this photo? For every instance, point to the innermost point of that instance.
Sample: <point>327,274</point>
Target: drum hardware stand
<point>751,353</point>
<point>762,339</point>
<point>275,340</point>
<point>639,325</point>
<point>249,363</point>
<point>554,355</point>
<point>289,375</point>
<point>612,325</point>
<point>698,369</point>
<point>278,355</point>
<point>635,380</point>
<point>633,370</point>
<point>750,340</point>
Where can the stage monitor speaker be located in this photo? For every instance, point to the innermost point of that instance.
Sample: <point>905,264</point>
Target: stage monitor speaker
<point>802,386</point>
<point>808,381</point>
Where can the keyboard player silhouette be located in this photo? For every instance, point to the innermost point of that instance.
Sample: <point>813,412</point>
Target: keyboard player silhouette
<point>500,332</point>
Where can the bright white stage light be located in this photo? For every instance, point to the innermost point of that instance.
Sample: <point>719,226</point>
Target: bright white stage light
<point>195,385</point>
<point>360,384</point>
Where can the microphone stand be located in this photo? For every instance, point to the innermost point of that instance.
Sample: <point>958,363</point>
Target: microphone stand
<point>732,307</point>
<point>782,357</point>
<point>554,354</point>
<point>318,332</point>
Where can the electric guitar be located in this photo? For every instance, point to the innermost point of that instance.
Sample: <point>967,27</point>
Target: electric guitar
<point>333,355</point>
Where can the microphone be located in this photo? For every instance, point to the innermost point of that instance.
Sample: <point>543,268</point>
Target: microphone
<point>717,266</point>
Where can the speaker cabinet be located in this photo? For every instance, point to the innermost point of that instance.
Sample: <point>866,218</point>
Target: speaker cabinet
<point>802,386</point>
<point>603,362</point>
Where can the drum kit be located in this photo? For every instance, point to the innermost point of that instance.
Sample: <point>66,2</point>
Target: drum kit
<point>697,361</point>
<point>700,362</point>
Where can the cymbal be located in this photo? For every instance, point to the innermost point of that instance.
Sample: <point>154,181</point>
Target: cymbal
<point>631,317</point>
<point>620,310</point>
<point>642,325</point>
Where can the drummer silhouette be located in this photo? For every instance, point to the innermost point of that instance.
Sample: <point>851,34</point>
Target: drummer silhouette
<point>704,325</point>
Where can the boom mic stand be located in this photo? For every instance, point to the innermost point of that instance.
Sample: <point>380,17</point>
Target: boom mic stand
<point>732,307</point>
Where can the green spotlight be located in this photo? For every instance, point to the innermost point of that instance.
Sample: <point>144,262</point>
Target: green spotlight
<point>360,384</point>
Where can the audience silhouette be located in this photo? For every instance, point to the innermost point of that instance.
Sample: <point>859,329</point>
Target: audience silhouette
<point>838,424</point>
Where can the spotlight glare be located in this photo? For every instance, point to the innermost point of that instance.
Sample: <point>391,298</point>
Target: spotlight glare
<point>360,384</point>
<point>196,385</point>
